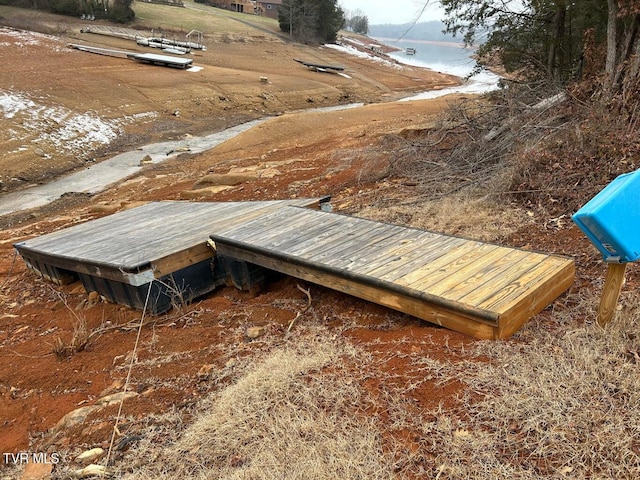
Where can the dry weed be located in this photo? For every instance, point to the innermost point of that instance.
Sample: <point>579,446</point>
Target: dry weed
<point>552,404</point>
<point>461,215</point>
<point>293,415</point>
<point>557,401</point>
<point>79,340</point>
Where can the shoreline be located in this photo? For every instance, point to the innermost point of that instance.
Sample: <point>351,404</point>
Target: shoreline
<point>424,42</point>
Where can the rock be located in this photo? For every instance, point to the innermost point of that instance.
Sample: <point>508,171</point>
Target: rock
<point>104,208</point>
<point>74,418</point>
<point>205,371</point>
<point>270,173</point>
<point>115,387</point>
<point>39,152</point>
<point>79,415</point>
<point>255,332</point>
<point>90,455</point>
<point>37,471</point>
<point>115,398</point>
<point>264,80</point>
<point>225,179</point>
<point>146,160</point>
<point>243,170</point>
<point>94,297</point>
<point>204,192</point>
<point>57,306</point>
<point>99,471</point>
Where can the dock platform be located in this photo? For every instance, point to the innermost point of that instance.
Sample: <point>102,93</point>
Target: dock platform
<point>483,290</point>
<point>161,60</point>
<point>160,244</point>
<point>175,251</point>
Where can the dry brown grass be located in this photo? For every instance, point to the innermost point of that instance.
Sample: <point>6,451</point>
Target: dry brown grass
<point>553,403</point>
<point>559,400</point>
<point>290,415</point>
<point>461,215</point>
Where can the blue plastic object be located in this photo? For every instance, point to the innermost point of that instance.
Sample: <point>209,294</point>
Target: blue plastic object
<point>611,219</point>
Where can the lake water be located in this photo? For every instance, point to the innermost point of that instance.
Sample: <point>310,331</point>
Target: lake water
<point>445,58</point>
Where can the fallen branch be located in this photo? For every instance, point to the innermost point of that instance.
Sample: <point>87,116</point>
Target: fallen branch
<point>301,312</point>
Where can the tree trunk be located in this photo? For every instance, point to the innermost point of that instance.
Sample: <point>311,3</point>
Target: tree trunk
<point>629,46</point>
<point>612,45</point>
<point>555,60</point>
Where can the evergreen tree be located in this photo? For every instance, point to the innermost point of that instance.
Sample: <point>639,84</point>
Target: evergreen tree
<point>538,38</point>
<point>311,20</point>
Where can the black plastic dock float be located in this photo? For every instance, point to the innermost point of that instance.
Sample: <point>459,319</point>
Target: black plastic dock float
<point>160,245</point>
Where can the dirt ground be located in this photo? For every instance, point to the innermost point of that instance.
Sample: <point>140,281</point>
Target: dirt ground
<point>239,80</point>
<point>295,154</point>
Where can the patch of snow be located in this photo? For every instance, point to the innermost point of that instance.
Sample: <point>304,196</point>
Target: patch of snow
<point>23,37</point>
<point>360,54</point>
<point>11,104</point>
<point>59,127</point>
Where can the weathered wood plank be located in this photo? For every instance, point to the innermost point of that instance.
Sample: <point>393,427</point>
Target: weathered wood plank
<point>550,288</point>
<point>328,235</point>
<point>450,318</point>
<point>133,238</point>
<point>508,278</point>
<point>411,257</point>
<point>611,292</point>
<point>444,274</point>
<point>183,259</point>
<point>276,229</point>
<point>379,251</point>
<point>450,271</point>
<point>510,289</point>
<point>445,258</point>
<point>351,238</point>
<point>483,290</point>
<point>475,274</point>
<point>264,225</point>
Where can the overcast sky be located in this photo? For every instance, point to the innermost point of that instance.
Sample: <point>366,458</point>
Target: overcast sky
<point>394,11</point>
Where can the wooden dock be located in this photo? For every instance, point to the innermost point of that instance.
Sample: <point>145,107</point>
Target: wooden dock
<point>161,60</point>
<point>149,58</point>
<point>162,244</point>
<point>164,250</point>
<point>486,291</point>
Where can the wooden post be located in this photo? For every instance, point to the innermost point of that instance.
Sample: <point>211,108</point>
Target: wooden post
<point>611,291</point>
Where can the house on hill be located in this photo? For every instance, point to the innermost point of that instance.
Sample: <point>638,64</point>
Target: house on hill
<point>270,7</point>
<point>267,8</point>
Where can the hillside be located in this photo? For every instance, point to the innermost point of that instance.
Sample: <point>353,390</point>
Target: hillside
<point>49,87</point>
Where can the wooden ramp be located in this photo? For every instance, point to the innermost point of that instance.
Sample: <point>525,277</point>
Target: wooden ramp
<point>161,60</point>
<point>482,290</point>
<point>162,244</point>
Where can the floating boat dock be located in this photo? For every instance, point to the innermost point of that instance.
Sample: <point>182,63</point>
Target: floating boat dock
<point>162,244</point>
<point>150,58</point>
<point>161,60</point>
<point>483,290</point>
